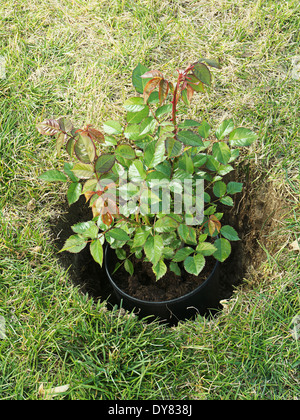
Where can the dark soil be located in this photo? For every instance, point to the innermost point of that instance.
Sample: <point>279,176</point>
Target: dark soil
<point>253,216</point>
<point>143,285</point>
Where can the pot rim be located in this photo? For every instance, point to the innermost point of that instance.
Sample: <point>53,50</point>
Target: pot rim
<point>166,302</point>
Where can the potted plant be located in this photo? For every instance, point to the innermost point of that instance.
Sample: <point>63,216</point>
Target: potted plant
<point>154,184</point>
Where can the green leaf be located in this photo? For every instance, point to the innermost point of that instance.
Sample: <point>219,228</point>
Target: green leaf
<point>135,104</point>
<point>59,142</point>
<point>147,126</point>
<point>132,132</point>
<point>204,129</point>
<point>68,171</point>
<point>85,149</point>
<point>223,249</point>
<point>234,187</point>
<point>104,163</point>
<point>224,129</point>
<point>74,192</point>
<point>199,160</point>
<point>154,153</point>
<point>74,244</point>
<point>189,123</point>
<point>159,269</point>
<point>202,73</point>
<point>202,237</point>
<point>82,226</point>
<point>70,146</point>
<point>228,201</point>
<point>225,169</point>
<point>185,162</point>
<point>182,253</point>
<point>137,117</point>
<point>118,234</point>
<point>137,81</point>
<point>120,253</point>
<point>89,185</point>
<point>162,110</point>
<point>154,248</point>
<point>91,232</point>
<point>165,168</point>
<point>136,171</point>
<point>212,164</point>
<point>96,250</point>
<point>207,197</point>
<point>206,248</point>
<point>187,234</point>
<point>125,151</point>
<point>211,62</point>
<point>128,266</point>
<point>153,98</point>
<point>184,97</point>
<point>242,137</point>
<point>221,152</point>
<point>229,233</point>
<point>83,170</point>
<point>194,265</point>
<point>53,175</point>
<point>173,147</point>
<point>165,224</point>
<point>175,268</point>
<point>189,138</point>
<point>140,237</point>
<point>219,188</point>
<point>112,127</point>
<point>110,141</point>
<point>154,176</point>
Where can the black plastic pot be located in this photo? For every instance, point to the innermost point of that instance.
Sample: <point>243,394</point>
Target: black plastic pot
<point>202,300</point>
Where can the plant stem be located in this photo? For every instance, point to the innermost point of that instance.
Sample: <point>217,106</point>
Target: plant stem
<point>181,78</point>
<point>174,104</point>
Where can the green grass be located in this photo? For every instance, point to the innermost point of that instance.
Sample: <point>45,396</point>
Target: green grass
<point>76,58</point>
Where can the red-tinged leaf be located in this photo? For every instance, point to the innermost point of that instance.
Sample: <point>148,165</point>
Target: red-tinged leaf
<point>61,138</point>
<point>213,224</point>
<point>150,86</point>
<point>48,127</point>
<point>110,206</point>
<point>163,90</point>
<point>202,73</point>
<point>65,125</point>
<point>195,83</point>
<point>211,227</point>
<point>107,218</point>
<point>184,97</point>
<point>97,207</point>
<point>93,133</point>
<point>152,73</point>
<point>85,148</point>
<point>70,146</point>
<point>104,163</point>
<point>88,195</point>
<point>189,92</point>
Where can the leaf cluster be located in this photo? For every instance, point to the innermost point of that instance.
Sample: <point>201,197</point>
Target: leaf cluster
<point>122,169</point>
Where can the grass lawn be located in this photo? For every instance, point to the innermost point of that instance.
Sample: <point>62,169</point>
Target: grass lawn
<point>75,58</point>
